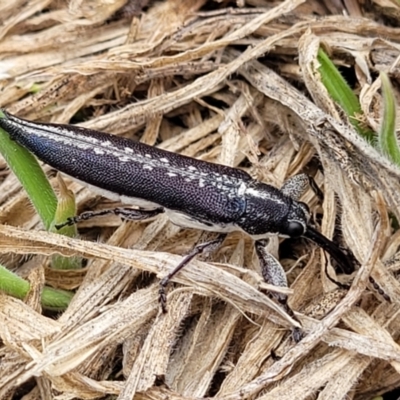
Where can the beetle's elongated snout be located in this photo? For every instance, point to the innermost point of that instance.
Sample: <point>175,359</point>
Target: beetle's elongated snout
<point>330,247</point>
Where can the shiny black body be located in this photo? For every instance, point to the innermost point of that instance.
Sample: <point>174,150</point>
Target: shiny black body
<point>197,194</point>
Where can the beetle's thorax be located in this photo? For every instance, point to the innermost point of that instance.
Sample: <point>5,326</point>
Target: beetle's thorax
<point>269,211</point>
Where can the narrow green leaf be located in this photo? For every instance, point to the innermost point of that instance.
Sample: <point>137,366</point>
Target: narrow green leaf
<point>54,299</point>
<point>387,136</point>
<point>32,178</point>
<point>28,171</point>
<point>341,92</point>
<point>66,208</point>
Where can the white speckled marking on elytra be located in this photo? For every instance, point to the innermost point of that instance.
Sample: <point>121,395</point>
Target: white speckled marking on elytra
<point>125,155</point>
<point>98,151</point>
<point>60,139</point>
<point>51,132</point>
<point>242,189</point>
<point>263,195</point>
<point>257,193</point>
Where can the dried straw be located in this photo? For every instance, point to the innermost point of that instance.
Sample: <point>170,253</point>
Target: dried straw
<point>239,86</point>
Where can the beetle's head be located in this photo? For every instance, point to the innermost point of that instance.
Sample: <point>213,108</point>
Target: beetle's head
<point>298,225</point>
<point>297,220</point>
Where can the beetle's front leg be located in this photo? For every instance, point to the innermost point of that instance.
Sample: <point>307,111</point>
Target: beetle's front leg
<point>297,185</point>
<point>130,214</point>
<point>274,274</point>
<point>208,247</point>
<point>271,269</point>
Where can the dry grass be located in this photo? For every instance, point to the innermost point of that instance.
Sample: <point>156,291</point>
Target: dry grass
<point>238,86</point>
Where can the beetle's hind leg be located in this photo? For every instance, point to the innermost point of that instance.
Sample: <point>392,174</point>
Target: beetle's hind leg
<point>130,214</point>
<point>206,247</point>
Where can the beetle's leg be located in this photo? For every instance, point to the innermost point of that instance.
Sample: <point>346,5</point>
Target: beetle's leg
<point>125,213</point>
<point>296,186</point>
<point>315,188</point>
<point>271,269</point>
<point>210,246</point>
<point>274,274</point>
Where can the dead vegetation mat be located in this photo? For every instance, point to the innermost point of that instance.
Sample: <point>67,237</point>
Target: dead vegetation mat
<point>223,81</point>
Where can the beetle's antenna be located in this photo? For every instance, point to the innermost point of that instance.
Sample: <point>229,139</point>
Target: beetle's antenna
<point>344,261</point>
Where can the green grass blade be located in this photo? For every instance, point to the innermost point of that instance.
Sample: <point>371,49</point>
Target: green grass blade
<point>387,136</point>
<point>54,299</point>
<point>66,208</point>
<point>41,194</point>
<point>341,92</point>
<point>28,171</point>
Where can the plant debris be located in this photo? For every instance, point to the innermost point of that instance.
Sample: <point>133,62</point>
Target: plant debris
<point>233,82</point>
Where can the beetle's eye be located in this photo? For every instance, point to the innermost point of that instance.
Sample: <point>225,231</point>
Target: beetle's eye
<point>295,229</point>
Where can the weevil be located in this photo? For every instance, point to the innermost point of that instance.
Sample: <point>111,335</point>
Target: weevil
<point>193,193</point>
